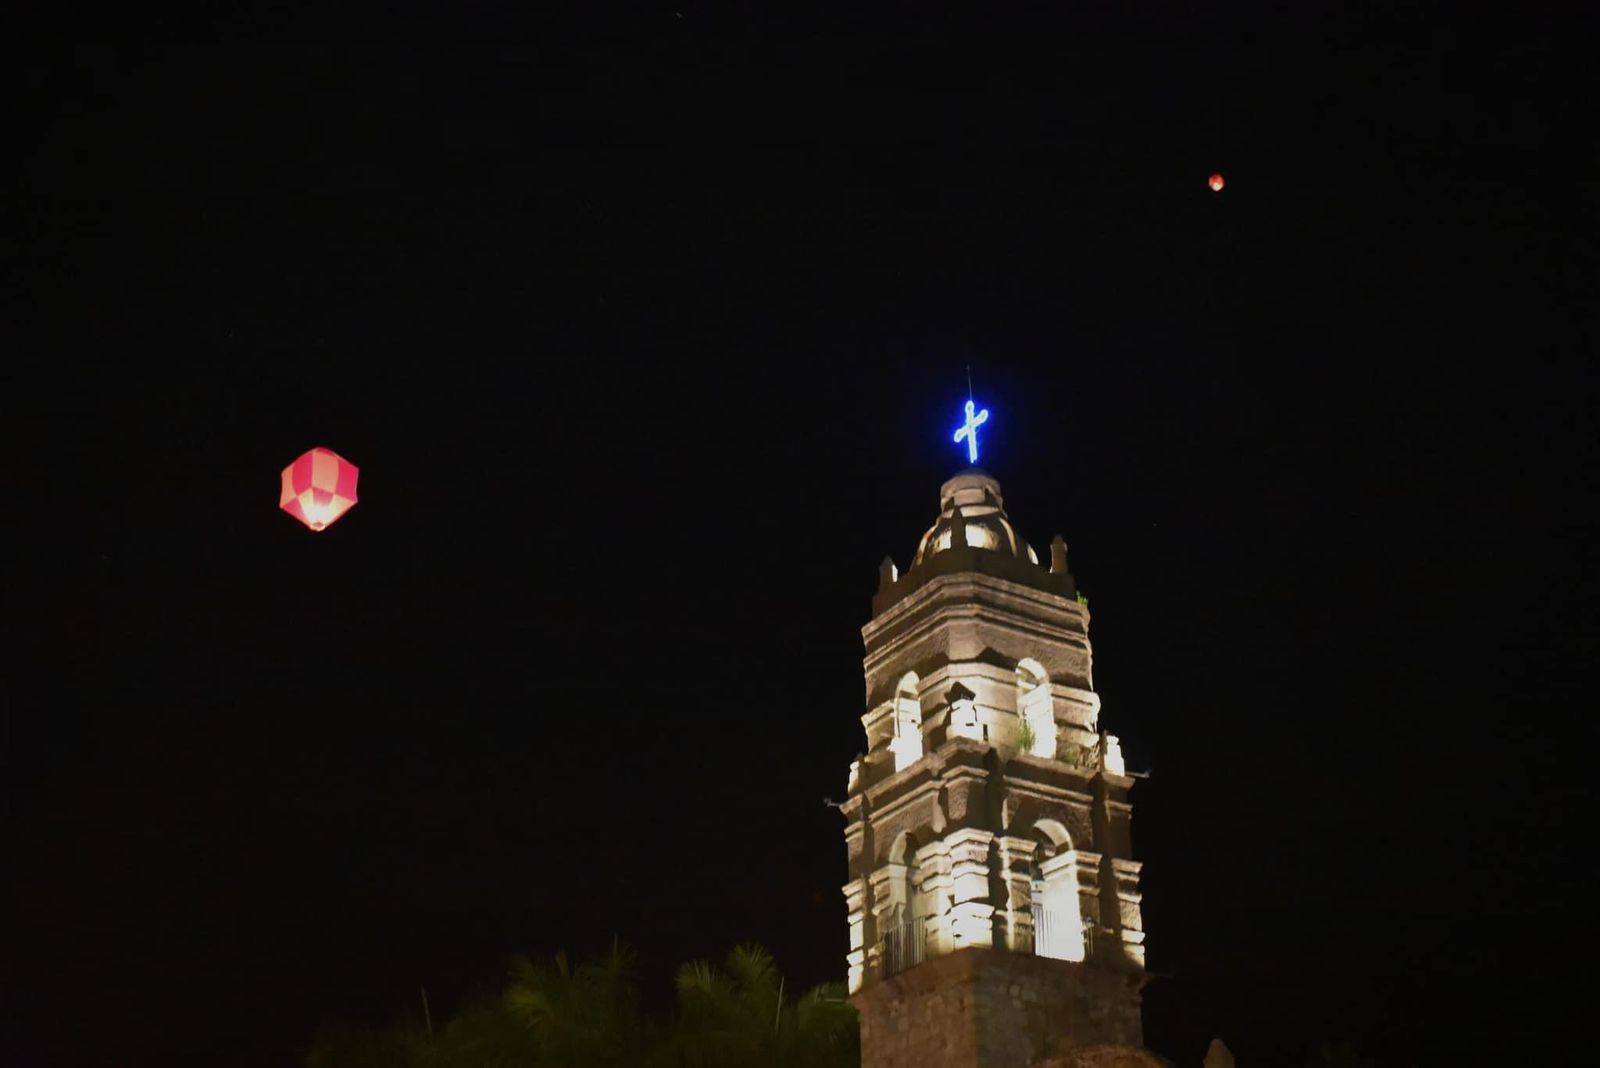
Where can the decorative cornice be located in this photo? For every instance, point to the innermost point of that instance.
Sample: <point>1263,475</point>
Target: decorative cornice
<point>965,583</point>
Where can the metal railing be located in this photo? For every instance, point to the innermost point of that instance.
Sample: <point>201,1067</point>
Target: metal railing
<point>1057,934</point>
<point>903,946</point>
<point>1061,935</point>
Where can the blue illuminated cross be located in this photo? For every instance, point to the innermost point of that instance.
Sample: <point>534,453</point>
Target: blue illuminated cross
<point>970,431</point>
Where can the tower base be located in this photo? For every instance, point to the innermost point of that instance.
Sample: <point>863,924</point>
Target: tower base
<point>986,1008</point>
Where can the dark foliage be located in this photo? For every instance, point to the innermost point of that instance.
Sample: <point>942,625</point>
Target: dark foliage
<point>556,1013</point>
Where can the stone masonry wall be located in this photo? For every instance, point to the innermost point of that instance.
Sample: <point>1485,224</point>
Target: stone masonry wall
<point>982,1008</point>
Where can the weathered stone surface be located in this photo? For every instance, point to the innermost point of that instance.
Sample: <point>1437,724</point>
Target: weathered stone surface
<point>984,1008</point>
<point>1102,1056</point>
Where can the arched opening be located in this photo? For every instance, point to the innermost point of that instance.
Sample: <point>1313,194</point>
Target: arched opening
<point>1057,915</point>
<point>905,938</point>
<point>907,741</point>
<point>1036,710</point>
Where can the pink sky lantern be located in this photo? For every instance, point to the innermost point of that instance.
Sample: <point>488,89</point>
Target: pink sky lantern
<point>318,488</point>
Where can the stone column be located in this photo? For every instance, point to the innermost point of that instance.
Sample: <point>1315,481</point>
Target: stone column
<point>855,898</point>
<point>971,912</point>
<point>1095,944</point>
<point>884,887</point>
<point>935,886</point>
<point>1016,874</point>
<point>1130,918</point>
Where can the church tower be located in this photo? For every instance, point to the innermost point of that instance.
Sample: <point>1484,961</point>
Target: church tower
<point>993,899</point>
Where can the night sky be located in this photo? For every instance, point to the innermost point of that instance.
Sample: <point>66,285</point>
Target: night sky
<point>648,330</point>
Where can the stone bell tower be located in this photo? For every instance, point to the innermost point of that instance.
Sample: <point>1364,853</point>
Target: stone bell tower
<point>993,898</point>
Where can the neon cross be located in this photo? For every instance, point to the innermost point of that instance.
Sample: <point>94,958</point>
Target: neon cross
<point>970,431</point>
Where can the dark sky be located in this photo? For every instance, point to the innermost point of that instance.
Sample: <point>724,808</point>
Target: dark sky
<point>648,330</point>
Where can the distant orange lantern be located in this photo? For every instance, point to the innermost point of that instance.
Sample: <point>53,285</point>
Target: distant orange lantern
<point>318,488</point>
<point>1216,183</point>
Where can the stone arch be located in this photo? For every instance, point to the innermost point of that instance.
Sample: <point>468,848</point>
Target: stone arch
<point>904,930</point>
<point>908,872</point>
<point>1036,707</point>
<point>906,742</point>
<point>1053,832</point>
<point>1057,910</point>
<point>904,848</point>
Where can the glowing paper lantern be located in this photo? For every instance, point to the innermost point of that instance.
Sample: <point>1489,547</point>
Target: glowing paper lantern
<point>318,488</point>
<point>1216,183</point>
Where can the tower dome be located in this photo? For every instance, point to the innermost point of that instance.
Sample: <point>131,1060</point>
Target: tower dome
<point>973,534</point>
<point>972,514</point>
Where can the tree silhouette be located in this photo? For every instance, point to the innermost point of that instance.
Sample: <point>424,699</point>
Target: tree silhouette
<point>588,1015</point>
<point>737,1017</point>
<point>553,1014</point>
